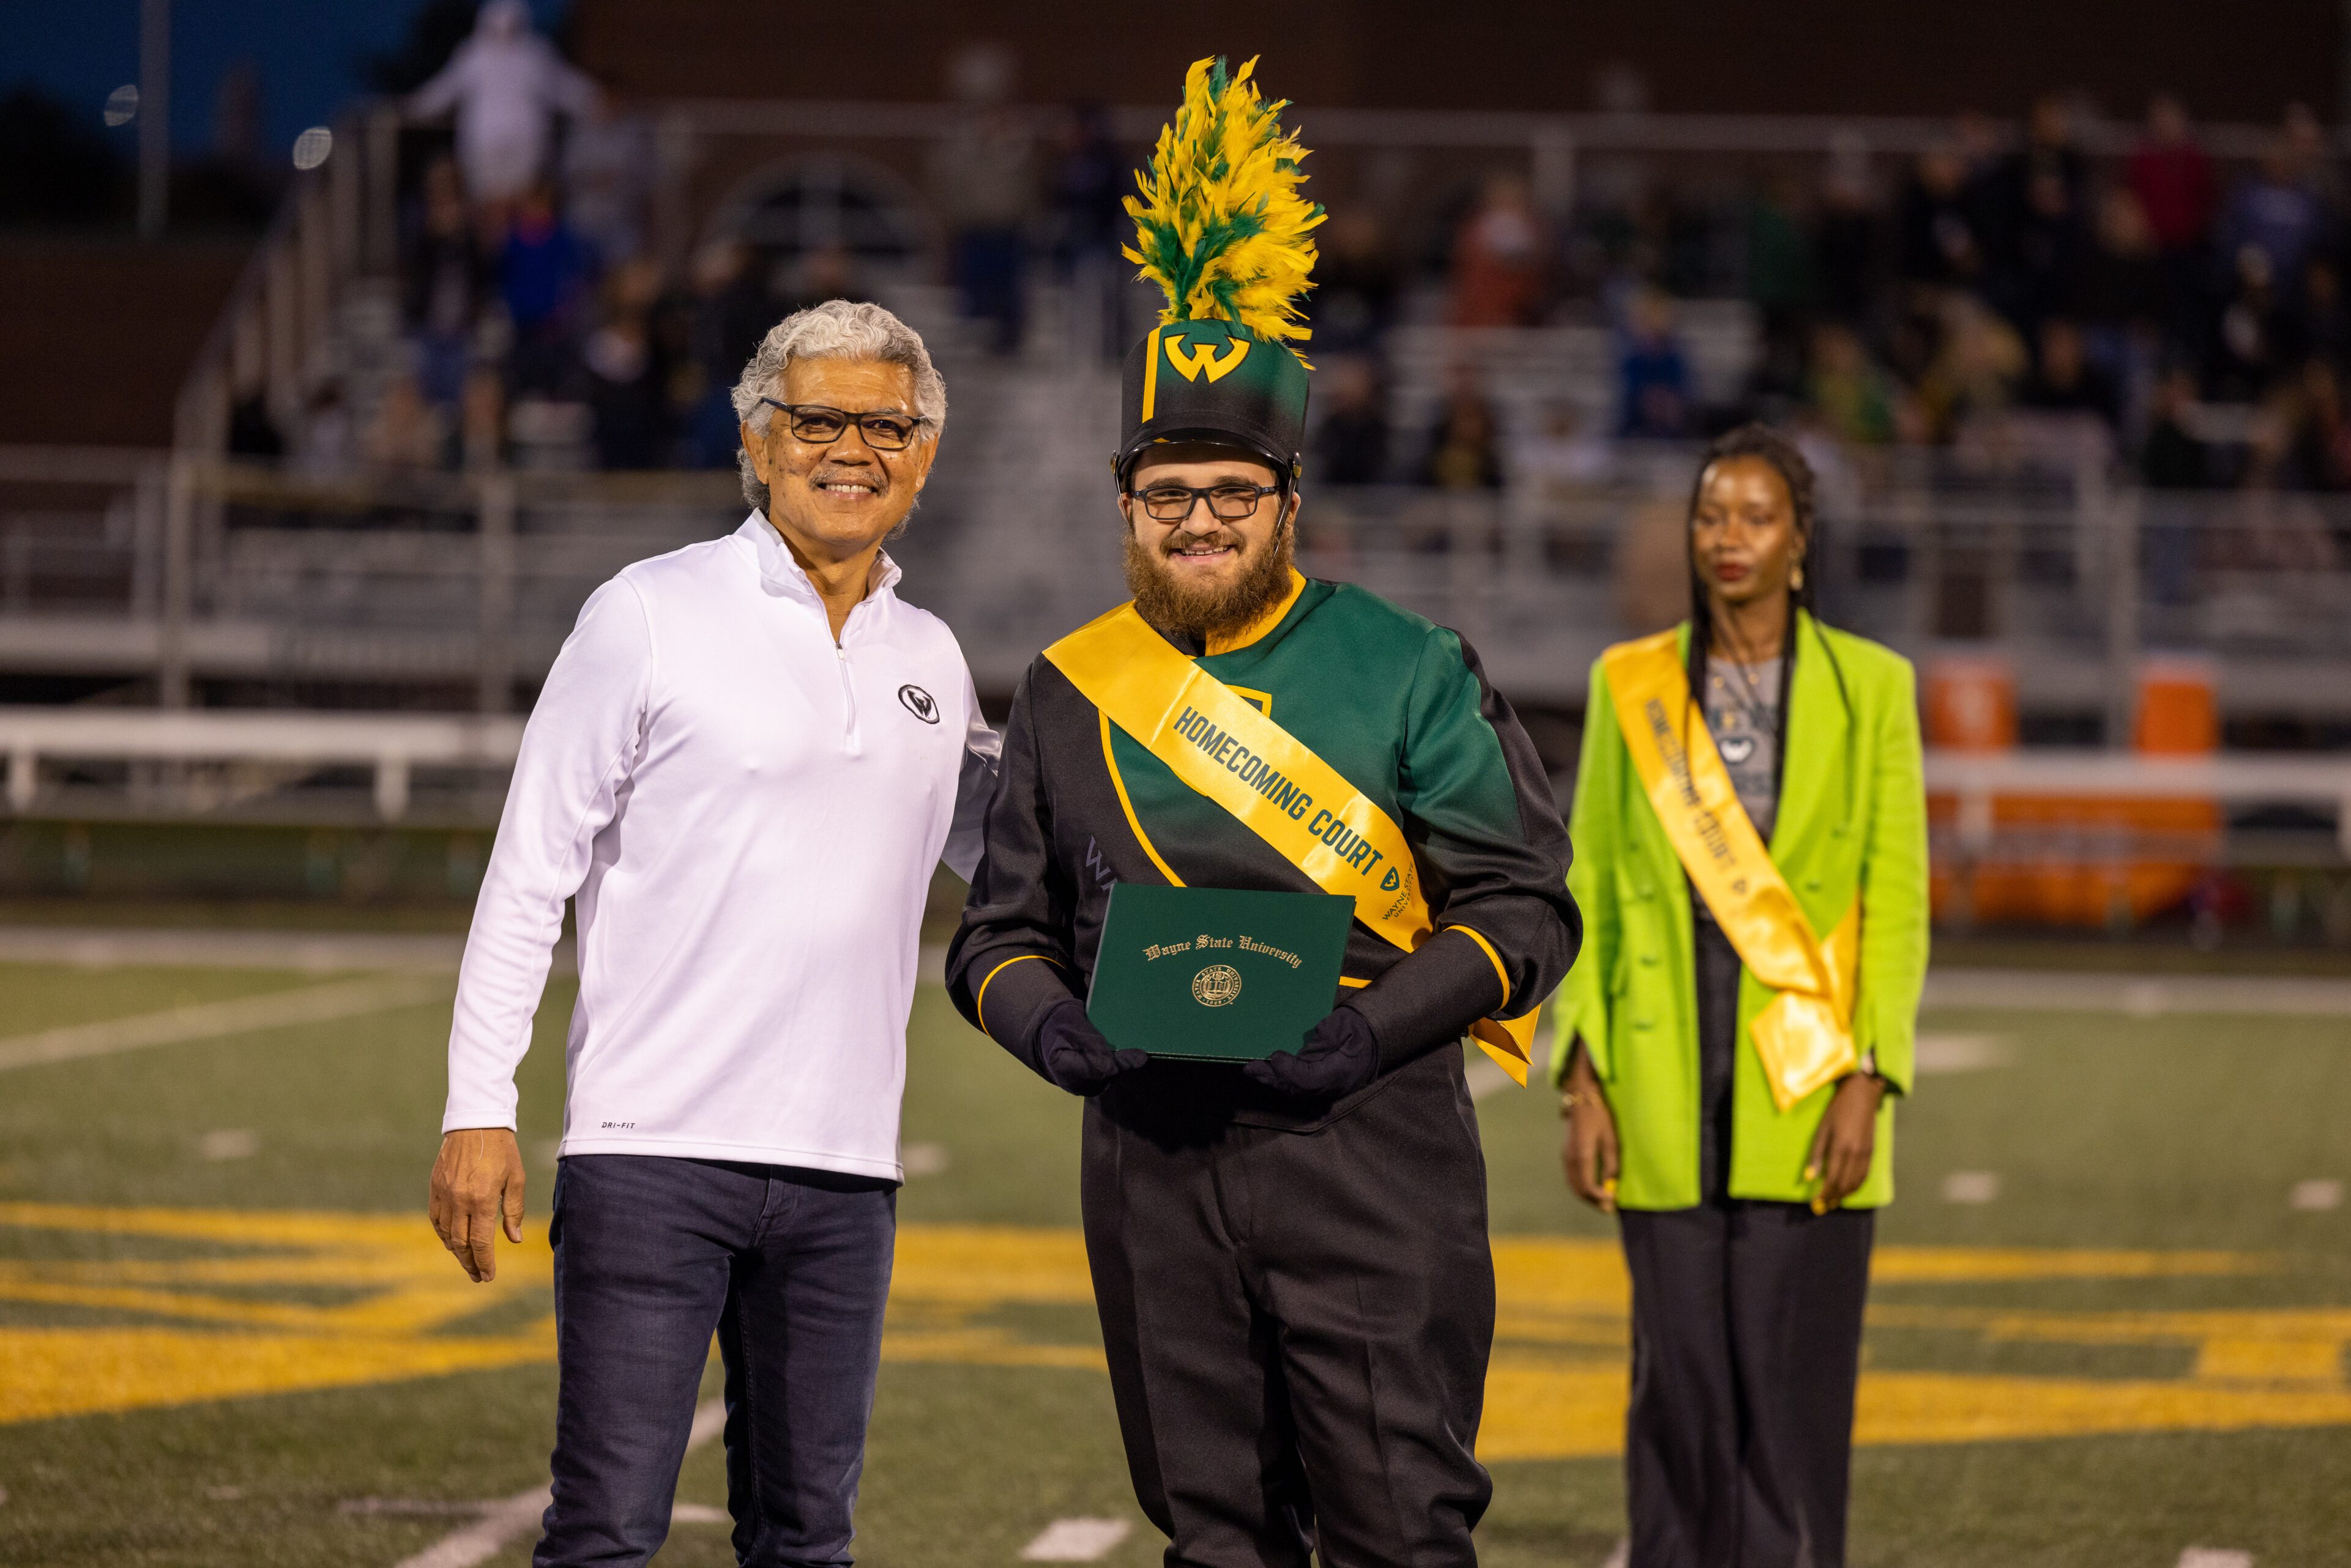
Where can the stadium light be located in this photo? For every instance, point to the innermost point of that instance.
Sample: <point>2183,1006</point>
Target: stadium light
<point>312,147</point>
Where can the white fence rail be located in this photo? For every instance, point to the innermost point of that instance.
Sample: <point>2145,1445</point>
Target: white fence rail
<point>289,745</point>
<point>459,588</point>
<point>2318,783</point>
<point>392,746</point>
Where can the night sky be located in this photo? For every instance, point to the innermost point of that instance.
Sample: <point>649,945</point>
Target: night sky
<point>309,54</point>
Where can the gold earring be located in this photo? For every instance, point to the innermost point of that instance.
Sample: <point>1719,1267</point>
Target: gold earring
<point>1796,575</point>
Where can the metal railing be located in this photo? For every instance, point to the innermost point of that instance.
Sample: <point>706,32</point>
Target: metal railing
<point>2319,785</point>
<point>276,336</point>
<point>80,764</point>
<point>183,570</point>
<point>222,760</point>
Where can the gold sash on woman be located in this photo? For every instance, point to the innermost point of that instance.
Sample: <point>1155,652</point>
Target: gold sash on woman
<point>1220,744</point>
<point>1804,1037</point>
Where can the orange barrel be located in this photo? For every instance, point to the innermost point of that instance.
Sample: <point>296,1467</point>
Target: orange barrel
<point>1970,706</point>
<point>2178,716</point>
<point>1971,702</point>
<point>2077,867</point>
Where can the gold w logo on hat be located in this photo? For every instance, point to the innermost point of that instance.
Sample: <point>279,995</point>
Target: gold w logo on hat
<point>1194,359</point>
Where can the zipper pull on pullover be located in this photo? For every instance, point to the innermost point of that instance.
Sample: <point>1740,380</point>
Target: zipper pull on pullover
<point>851,744</point>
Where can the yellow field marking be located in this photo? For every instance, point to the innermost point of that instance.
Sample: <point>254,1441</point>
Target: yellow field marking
<point>2317,1362</point>
<point>1976,1265</point>
<point>1947,1407</point>
<point>987,1264</point>
<point>1539,1411</point>
<point>2262,1346</point>
<point>71,1371</point>
<point>404,1287</point>
<point>986,1347</point>
<point>1556,1391</point>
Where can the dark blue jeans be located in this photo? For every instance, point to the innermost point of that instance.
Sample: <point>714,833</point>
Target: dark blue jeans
<point>790,1268</point>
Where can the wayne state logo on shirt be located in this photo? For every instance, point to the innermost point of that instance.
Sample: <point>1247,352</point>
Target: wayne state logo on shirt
<point>919,703</point>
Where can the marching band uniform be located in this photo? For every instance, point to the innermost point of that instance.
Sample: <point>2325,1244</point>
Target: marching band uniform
<point>1296,1296</point>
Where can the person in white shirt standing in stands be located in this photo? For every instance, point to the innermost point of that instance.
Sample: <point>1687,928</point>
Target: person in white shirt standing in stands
<point>746,761</point>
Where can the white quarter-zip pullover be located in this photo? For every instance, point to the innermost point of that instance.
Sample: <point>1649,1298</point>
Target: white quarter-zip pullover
<point>748,815</point>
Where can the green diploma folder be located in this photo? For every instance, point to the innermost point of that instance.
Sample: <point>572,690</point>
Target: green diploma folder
<point>1217,974</point>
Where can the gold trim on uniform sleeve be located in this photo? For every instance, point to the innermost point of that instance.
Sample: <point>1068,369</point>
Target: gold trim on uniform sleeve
<point>1492,957</point>
<point>979,1002</point>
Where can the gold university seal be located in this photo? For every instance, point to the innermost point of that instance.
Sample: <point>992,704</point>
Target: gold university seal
<point>1215,984</point>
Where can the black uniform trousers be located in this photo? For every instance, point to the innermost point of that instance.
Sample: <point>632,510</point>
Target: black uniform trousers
<point>1298,1323</point>
<point>1745,1348</point>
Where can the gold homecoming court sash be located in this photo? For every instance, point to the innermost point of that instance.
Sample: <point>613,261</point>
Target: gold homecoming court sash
<point>1804,1037</point>
<point>1222,746</point>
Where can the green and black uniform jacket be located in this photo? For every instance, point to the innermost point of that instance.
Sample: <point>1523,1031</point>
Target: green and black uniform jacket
<point>1401,709</point>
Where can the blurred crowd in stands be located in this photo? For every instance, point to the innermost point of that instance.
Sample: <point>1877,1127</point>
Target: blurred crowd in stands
<point>2003,292</point>
<point>2002,287</point>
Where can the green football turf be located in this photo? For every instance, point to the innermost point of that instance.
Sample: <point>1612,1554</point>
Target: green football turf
<point>2157,1135</point>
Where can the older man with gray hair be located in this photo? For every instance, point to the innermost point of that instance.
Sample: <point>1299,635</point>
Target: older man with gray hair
<point>744,763</point>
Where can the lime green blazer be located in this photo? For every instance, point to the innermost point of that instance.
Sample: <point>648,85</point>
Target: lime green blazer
<point>1852,824</point>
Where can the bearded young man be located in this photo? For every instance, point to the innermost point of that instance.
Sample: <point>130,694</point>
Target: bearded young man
<point>1288,1256</point>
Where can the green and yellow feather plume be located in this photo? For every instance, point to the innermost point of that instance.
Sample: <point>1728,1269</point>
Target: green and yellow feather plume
<point>1219,225</point>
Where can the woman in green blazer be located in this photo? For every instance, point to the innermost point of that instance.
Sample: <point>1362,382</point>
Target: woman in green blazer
<point>1745,1228</point>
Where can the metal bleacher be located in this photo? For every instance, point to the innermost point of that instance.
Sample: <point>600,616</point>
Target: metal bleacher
<point>210,588</point>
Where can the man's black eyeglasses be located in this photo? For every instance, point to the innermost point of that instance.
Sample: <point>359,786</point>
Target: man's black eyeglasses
<point>1229,502</point>
<point>817,424</point>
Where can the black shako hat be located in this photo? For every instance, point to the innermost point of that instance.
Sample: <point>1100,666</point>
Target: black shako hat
<point>1213,380</point>
<point>1221,228</point>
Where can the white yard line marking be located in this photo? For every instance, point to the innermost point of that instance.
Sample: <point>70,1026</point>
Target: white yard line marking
<point>229,1143</point>
<point>1971,1187</point>
<point>486,1536</point>
<point>1619,1557</point>
<point>2315,1197</point>
<point>1940,1053</point>
<point>209,1021</point>
<point>502,1520</point>
<point>1076,1541</point>
<point>2215,1557</point>
<point>698,1513</point>
<point>2138,996</point>
<point>925,1159</point>
<point>1487,1078</point>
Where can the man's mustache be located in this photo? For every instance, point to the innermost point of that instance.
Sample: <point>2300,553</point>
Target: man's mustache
<point>1217,536</point>
<point>875,482</point>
